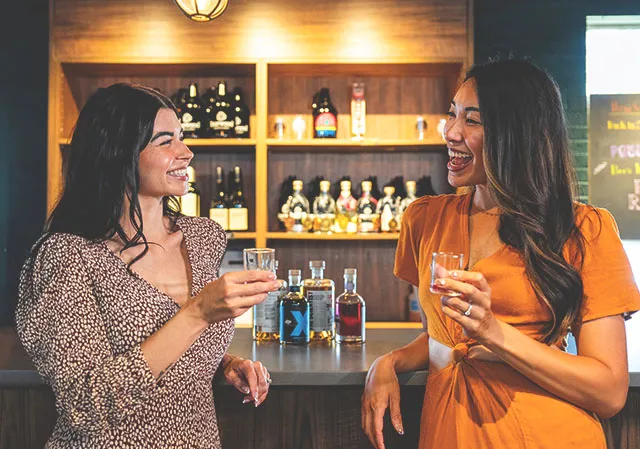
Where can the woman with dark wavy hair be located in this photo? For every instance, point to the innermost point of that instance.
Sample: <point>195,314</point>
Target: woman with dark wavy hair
<point>120,307</point>
<point>540,265</point>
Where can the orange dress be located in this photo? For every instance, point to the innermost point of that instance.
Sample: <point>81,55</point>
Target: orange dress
<point>479,404</point>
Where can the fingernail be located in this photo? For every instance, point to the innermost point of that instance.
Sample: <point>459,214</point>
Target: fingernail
<point>272,276</point>
<point>245,390</point>
<point>245,400</point>
<point>276,285</point>
<point>400,432</point>
<point>256,404</point>
<point>255,398</point>
<point>454,274</point>
<point>440,281</point>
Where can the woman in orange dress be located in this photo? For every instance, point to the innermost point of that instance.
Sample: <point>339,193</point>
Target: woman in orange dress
<point>539,265</point>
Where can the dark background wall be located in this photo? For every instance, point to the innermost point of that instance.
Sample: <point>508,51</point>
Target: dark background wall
<point>552,32</point>
<point>23,138</point>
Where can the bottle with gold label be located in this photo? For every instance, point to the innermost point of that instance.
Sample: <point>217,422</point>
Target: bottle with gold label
<point>406,201</point>
<point>219,211</point>
<point>190,201</point>
<point>191,114</point>
<point>320,293</point>
<point>238,212</point>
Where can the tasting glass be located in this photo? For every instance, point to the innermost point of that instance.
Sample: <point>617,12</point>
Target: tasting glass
<point>441,264</point>
<point>259,259</point>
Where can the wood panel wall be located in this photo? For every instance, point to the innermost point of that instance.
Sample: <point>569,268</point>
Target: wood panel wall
<point>155,30</point>
<point>290,418</point>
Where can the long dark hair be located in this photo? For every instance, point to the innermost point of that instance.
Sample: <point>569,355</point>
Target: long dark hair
<point>102,164</point>
<point>531,177</point>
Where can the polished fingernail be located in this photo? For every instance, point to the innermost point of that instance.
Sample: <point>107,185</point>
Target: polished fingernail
<point>245,400</point>
<point>255,398</point>
<point>246,391</point>
<point>441,281</point>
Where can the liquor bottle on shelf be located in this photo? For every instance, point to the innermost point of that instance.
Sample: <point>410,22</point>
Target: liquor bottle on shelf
<point>219,210</point>
<point>388,210</point>
<point>350,311</point>
<point>266,315</point>
<point>424,187</point>
<point>220,114</point>
<point>421,127</point>
<point>191,114</point>
<point>241,114</point>
<point>358,111</point>
<point>324,209</point>
<point>346,210</point>
<point>325,116</point>
<point>320,293</point>
<point>286,191</point>
<point>238,213</point>
<point>190,201</point>
<point>179,99</point>
<point>298,219</point>
<point>294,313</point>
<point>406,201</point>
<point>368,220</point>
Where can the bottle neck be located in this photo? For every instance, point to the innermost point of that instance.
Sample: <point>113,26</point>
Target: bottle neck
<point>350,284</point>
<point>317,273</point>
<point>193,91</point>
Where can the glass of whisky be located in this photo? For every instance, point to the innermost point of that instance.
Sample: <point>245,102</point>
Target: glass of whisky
<point>259,259</point>
<point>441,264</point>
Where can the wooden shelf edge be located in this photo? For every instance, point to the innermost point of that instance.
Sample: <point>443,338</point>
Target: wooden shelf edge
<point>369,325</point>
<point>310,236</point>
<point>201,142</point>
<point>231,235</point>
<point>348,143</point>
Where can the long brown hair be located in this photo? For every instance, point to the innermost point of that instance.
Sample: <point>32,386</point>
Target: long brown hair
<point>531,176</point>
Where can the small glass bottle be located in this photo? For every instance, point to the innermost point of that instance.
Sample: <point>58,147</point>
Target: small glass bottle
<point>350,311</point>
<point>324,209</point>
<point>321,294</point>
<point>219,210</point>
<point>294,313</point>
<point>367,217</point>
<point>406,201</point>
<point>298,207</point>
<point>266,315</point>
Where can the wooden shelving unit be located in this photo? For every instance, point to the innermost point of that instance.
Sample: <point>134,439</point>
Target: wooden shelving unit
<point>334,236</point>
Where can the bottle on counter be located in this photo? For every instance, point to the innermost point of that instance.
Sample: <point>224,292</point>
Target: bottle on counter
<point>388,210</point>
<point>266,315</point>
<point>350,311</point>
<point>219,210</point>
<point>358,111</point>
<point>238,212</point>
<point>191,115</point>
<point>324,210</point>
<point>298,210</point>
<point>346,210</point>
<point>221,122</point>
<point>320,293</point>
<point>241,114</point>
<point>325,116</point>
<point>294,313</point>
<point>406,201</point>
<point>367,217</point>
<point>190,201</point>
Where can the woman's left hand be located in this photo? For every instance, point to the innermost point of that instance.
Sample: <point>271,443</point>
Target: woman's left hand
<point>249,377</point>
<point>472,310</point>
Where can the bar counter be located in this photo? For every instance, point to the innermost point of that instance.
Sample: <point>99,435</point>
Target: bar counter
<point>314,400</point>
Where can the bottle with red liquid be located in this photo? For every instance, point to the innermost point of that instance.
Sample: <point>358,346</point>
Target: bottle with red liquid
<point>350,311</point>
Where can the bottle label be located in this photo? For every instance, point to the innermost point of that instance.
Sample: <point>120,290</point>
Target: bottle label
<point>220,216</point>
<point>321,305</point>
<point>266,313</point>
<point>326,125</point>
<point>189,205</point>
<point>294,322</point>
<point>222,125</point>
<point>238,219</point>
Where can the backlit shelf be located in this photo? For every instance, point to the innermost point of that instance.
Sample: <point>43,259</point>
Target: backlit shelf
<point>311,236</point>
<point>203,142</point>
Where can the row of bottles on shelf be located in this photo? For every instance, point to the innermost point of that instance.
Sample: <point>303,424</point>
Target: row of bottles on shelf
<point>228,207</point>
<point>344,214</point>
<point>216,113</point>
<point>307,310</point>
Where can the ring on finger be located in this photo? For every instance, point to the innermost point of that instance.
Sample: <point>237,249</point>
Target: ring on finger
<point>468,311</point>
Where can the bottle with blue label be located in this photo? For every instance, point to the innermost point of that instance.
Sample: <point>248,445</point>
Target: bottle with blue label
<point>325,116</point>
<point>294,313</point>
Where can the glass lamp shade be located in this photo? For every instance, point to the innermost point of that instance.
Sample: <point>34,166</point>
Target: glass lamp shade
<point>202,10</point>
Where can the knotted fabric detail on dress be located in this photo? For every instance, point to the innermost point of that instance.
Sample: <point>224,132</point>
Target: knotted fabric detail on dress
<point>460,351</point>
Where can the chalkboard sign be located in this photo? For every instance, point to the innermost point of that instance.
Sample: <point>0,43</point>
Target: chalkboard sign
<point>614,159</point>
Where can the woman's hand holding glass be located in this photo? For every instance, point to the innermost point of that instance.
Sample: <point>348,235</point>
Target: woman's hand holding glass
<point>471,308</point>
